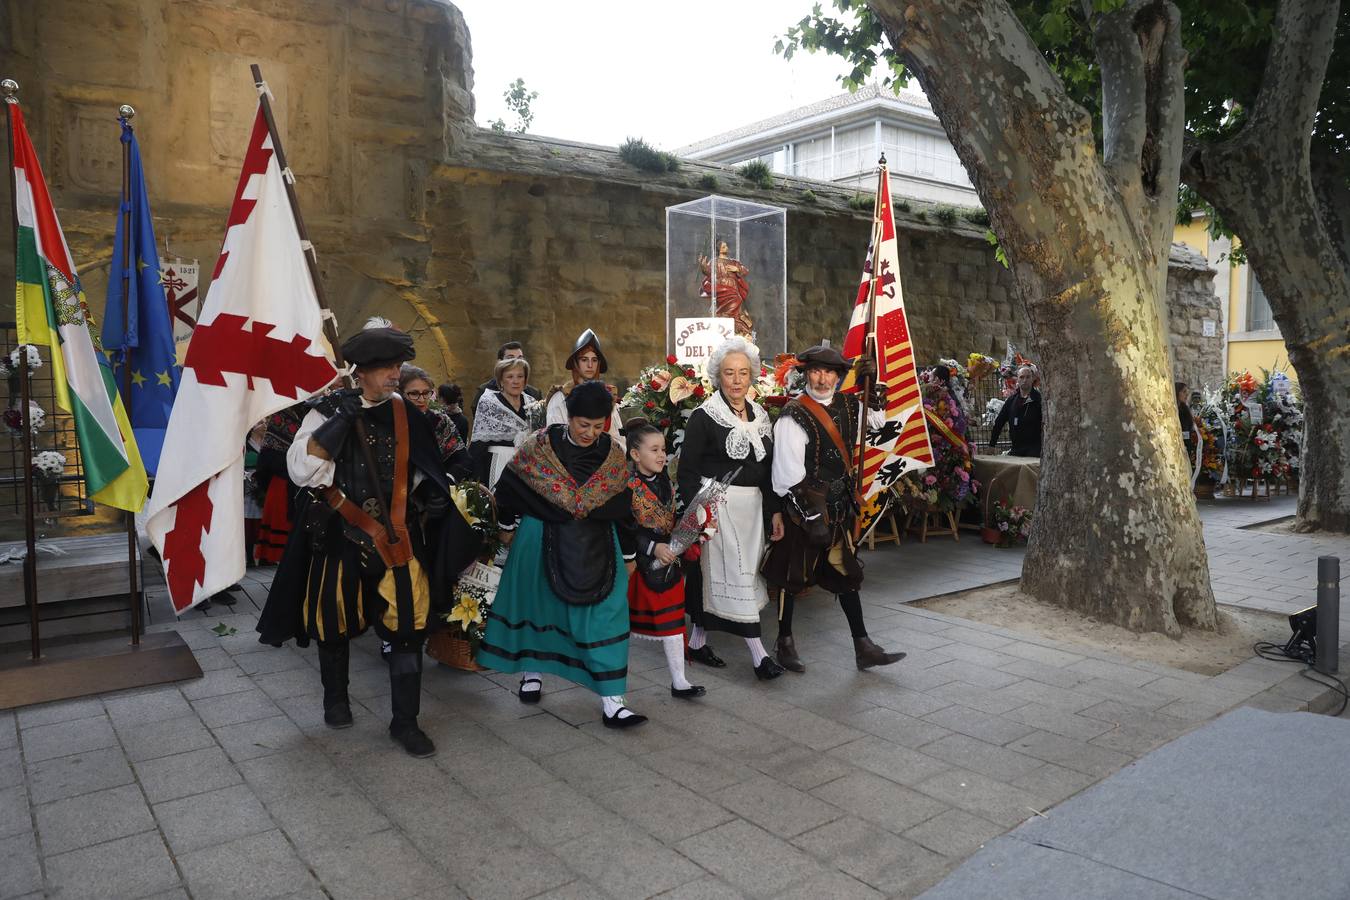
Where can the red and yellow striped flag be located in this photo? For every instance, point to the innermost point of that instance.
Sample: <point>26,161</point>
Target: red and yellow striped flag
<point>901,444</point>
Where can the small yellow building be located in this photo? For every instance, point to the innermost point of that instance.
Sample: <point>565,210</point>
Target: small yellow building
<point>1252,339</point>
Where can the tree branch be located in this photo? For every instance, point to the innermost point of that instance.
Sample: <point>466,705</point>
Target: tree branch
<point>1166,75</point>
<point>1124,94</point>
<point>1283,115</point>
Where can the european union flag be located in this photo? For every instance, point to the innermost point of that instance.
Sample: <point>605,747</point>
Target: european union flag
<point>143,337</point>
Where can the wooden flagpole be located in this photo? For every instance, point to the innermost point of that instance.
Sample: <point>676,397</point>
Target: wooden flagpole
<point>870,341</point>
<point>311,261</point>
<point>10,88</point>
<point>126,113</point>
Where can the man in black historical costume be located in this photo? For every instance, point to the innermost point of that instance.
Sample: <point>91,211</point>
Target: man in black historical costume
<point>815,447</point>
<point>377,541</point>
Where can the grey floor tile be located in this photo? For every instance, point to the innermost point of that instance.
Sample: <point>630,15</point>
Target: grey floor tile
<point>801,767</point>
<point>261,865</point>
<point>59,711</point>
<point>664,809</point>
<point>204,820</point>
<point>625,863</point>
<point>143,707</point>
<point>954,833</point>
<point>194,772</point>
<point>19,862</point>
<point>697,767</point>
<point>976,724</point>
<point>295,772</point>
<point>994,800</point>
<point>264,737</point>
<point>897,727</point>
<point>14,815</point>
<point>552,812</point>
<point>890,761</point>
<point>66,738</point>
<point>69,776</point>
<point>835,885</point>
<point>970,753</point>
<point>882,861</point>
<point>135,866</point>
<point>776,807</point>
<point>749,858</point>
<point>92,819</point>
<point>871,797</point>
<point>324,816</point>
<point>172,736</point>
<point>709,888</point>
<point>1089,759</point>
<point>233,708</point>
<point>380,865</point>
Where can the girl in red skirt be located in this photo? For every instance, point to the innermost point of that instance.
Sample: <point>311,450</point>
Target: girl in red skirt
<point>656,592</point>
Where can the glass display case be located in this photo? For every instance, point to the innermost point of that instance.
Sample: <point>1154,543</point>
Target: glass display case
<point>726,273</point>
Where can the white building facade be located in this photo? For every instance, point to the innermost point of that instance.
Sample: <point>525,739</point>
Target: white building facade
<point>840,139</point>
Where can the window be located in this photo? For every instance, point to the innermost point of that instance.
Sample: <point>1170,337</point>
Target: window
<point>1259,317</point>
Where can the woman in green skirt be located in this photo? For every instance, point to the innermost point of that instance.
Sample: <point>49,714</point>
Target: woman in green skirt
<point>562,604</point>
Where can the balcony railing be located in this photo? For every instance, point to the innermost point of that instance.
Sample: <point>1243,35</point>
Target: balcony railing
<point>902,160</point>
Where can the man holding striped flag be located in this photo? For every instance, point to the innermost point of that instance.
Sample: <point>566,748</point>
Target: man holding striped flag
<point>51,312</point>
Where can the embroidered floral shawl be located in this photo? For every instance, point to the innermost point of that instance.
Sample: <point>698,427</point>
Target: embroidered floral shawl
<point>539,467</point>
<point>648,510</point>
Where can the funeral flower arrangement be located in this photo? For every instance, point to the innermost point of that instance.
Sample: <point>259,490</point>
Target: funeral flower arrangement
<point>667,395</point>
<point>947,485</point>
<point>473,593</point>
<point>1013,523</point>
<point>1265,420</point>
<point>13,419</point>
<point>10,365</point>
<point>48,465</point>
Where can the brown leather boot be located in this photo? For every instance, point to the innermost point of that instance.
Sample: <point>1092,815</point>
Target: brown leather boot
<point>786,652</point>
<point>868,654</point>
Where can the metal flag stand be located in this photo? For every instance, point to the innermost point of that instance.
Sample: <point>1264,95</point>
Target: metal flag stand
<point>81,668</point>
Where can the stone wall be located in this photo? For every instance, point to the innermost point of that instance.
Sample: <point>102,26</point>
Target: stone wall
<point>465,237</point>
<point>1197,359</point>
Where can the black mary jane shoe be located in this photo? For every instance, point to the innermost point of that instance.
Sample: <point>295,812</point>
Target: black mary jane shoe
<point>617,721</point>
<point>768,669</point>
<point>706,656</point>
<point>689,693</point>
<point>530,696</point>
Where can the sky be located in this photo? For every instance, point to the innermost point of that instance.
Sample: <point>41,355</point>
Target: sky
<point>670,73</point>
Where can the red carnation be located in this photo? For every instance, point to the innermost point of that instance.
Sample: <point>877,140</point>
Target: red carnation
<point>671,360</point>
<point>689,372</point>
<point>698,390</point>
<point>650,404</point>
<point>665,423</point>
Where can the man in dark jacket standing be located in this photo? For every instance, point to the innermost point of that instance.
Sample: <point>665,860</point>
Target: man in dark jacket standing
<point>1022,414</point>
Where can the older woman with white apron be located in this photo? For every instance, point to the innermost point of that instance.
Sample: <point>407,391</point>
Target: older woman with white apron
<point>724,590</point>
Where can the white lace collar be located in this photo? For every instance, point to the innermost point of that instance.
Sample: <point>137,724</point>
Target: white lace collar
<point>493,420</point>
<point>742,436</point>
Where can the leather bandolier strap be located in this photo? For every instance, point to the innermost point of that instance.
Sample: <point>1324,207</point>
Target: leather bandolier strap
<point>399,551</point>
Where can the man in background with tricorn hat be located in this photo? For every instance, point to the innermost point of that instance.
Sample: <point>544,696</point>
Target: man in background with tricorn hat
<point>377,540</point>
<point>815,450</point>
<point>586,363</point>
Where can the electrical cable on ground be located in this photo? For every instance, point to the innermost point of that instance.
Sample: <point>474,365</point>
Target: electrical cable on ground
<point>1303,653</point>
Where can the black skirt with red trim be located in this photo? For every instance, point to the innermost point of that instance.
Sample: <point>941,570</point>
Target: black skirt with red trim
<point>275,528</point>
<point>655,614</point>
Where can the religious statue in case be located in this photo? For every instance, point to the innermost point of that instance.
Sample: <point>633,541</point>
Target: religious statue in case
<point>725,282</point>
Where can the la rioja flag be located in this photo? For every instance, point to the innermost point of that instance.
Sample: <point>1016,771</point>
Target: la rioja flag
<point>901,444</point>
<point>258,348</point>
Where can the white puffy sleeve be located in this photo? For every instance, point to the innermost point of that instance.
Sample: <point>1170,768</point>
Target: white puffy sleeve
<point>305,469</point>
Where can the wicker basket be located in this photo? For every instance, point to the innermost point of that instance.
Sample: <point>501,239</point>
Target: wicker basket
<point>451,648</point>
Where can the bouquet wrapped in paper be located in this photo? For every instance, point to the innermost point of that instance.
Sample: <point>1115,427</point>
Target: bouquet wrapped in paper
<point>700,517</point>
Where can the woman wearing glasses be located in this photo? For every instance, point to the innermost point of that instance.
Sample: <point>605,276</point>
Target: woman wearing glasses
<point>416,386</point>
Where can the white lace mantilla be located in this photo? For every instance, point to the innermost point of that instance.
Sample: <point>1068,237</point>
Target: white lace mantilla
<point>742,436</point>
<point>493,420</point>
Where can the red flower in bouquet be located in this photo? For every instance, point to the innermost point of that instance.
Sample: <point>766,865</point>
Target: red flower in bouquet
<point>650,404</point>
<point>671,360</point>
<point>698,390</point>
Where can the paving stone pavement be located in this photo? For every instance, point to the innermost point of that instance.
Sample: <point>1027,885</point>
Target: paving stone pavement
<point>835,783</point>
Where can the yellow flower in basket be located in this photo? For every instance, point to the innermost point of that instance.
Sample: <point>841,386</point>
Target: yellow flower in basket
<point>680,389</point>
<point>466,612</point>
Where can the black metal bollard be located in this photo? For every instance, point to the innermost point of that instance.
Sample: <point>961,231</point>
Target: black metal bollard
<point>1328,614</point>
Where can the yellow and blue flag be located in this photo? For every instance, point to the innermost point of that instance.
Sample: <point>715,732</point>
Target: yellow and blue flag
<point>143,338</point>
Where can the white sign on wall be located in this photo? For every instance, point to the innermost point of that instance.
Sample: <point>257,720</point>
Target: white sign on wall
<point>695,339</point>
<point>1207,327</point>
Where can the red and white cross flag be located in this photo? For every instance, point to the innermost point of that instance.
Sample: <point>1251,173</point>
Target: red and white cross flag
<point>258,348</point>
<point>901,444</point>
